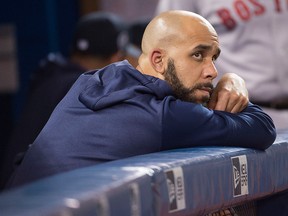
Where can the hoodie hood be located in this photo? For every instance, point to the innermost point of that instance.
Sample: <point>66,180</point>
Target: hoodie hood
<point>118,82</point>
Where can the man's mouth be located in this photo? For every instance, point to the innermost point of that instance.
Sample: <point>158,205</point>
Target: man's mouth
<point>206,89</point>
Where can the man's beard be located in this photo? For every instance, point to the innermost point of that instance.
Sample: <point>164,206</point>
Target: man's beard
<point>180,91</point>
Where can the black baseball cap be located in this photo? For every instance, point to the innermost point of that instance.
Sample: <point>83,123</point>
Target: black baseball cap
<point>98,33</point>
<point>136,30</point>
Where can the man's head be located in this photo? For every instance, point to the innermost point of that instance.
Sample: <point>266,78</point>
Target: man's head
<point>181,47</point>
<point>96,39</point>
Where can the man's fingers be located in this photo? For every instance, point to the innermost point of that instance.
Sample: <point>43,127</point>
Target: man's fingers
<point>230,94</point>
<point>220,100</point>
<point>221,104</point>
<point>228,101</point>
<point>212,102</point>
<point>235,104</point>
<point>240,104</point>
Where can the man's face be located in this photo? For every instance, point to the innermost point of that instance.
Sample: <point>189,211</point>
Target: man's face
<point>190,67</point>
<point>186,93</point>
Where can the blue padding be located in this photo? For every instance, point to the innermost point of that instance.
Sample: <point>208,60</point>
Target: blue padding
<point>191,181</point>
<point>91,191</point>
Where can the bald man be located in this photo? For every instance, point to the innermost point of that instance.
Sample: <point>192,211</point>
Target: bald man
<point>168,102</point>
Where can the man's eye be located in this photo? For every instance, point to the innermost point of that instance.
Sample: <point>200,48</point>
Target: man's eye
<point>197,55</point>
<point>214,58</point>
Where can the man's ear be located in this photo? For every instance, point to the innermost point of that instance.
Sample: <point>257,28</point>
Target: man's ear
<point>157,59</point>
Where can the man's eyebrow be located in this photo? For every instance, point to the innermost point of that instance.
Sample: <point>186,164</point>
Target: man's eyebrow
<point>203,47</point>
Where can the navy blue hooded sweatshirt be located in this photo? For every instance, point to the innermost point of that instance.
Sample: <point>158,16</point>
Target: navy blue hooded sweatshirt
<point>118,112</point>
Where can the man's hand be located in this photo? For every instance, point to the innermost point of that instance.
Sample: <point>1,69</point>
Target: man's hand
<point>230,94</point>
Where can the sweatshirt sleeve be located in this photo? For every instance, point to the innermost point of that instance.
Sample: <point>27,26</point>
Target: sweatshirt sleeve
<point>189,124</point>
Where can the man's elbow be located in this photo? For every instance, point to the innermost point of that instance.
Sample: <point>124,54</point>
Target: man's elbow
<point>266,139</point>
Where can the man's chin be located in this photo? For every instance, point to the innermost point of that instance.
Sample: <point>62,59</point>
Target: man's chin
<point>202,99</point>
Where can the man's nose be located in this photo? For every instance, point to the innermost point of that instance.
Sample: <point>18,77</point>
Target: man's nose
<point>210,70</point>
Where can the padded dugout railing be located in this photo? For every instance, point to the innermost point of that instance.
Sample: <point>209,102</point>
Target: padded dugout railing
<point>192,181</point>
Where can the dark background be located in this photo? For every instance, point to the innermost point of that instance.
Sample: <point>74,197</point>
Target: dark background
<point>42,26</point>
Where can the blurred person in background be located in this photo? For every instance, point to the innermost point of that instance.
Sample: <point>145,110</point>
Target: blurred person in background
<point>254,39</point>
<point>95,44</point>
